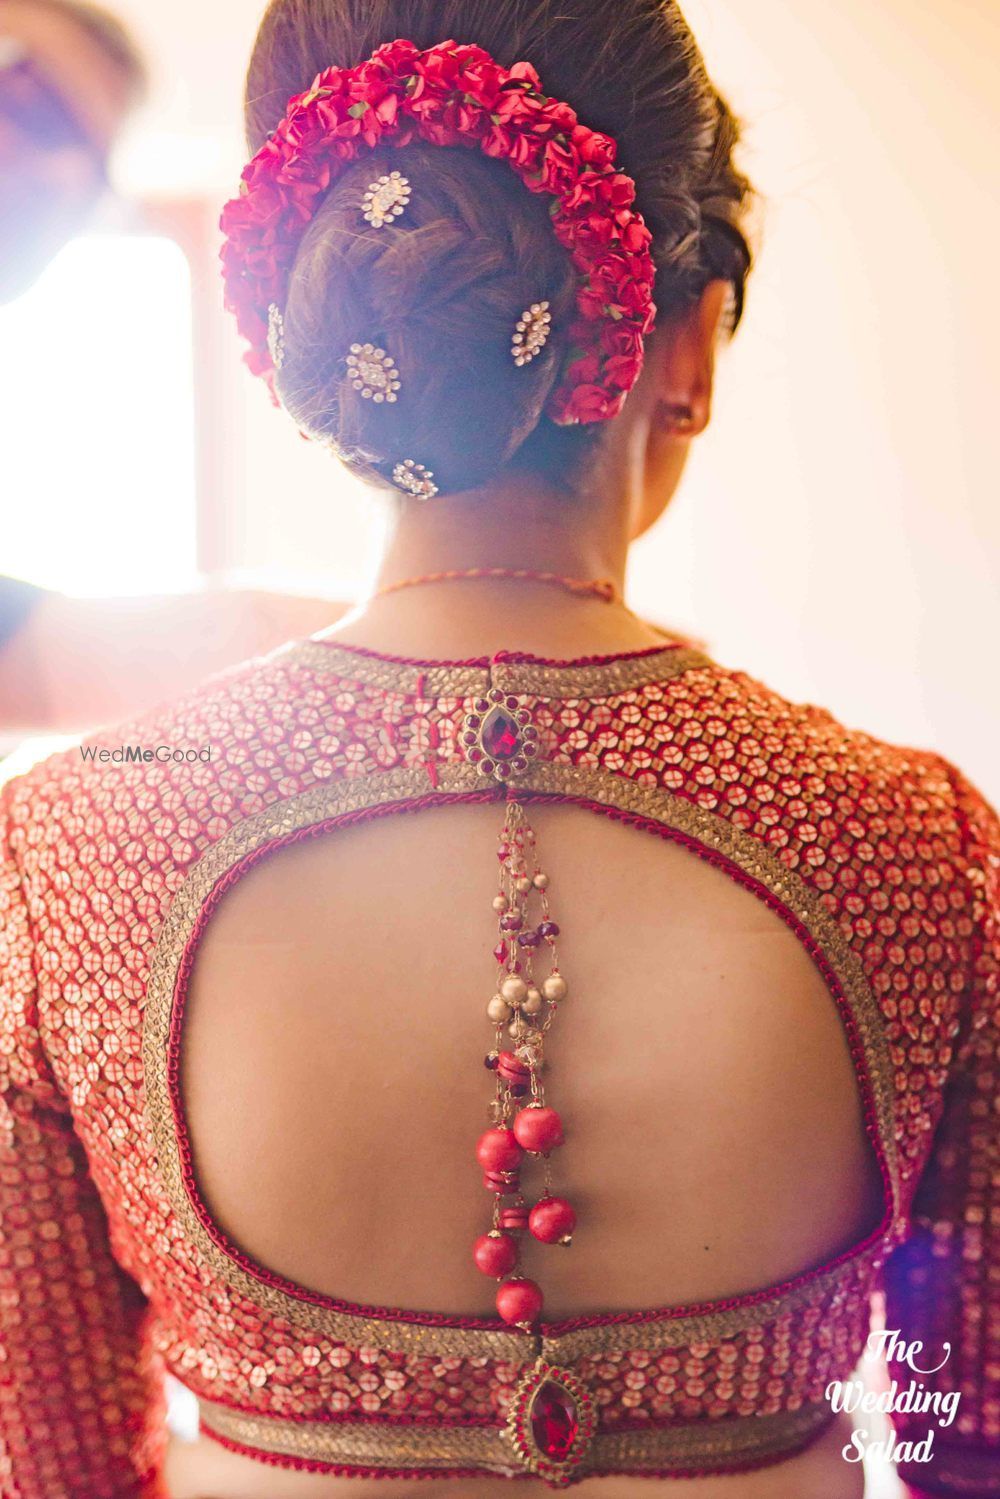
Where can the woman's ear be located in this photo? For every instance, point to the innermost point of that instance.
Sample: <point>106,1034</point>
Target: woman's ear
<point>678,399</point>
<point>685,358</point>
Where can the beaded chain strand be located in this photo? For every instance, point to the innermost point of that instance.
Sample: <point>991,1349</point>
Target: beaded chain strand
<point>526,1008</point>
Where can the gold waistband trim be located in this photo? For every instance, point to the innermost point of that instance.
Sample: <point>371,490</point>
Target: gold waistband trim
<point>685,1448</point>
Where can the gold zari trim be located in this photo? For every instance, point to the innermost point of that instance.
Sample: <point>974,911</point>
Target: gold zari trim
<point>725,1443</point>
<point>530,677</point>
<point>332,800</point>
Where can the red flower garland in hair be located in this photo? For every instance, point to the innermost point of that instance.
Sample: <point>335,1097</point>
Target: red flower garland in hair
<point>454,95</point>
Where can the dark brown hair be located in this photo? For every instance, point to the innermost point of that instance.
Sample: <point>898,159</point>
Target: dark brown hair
<point>442,289</point>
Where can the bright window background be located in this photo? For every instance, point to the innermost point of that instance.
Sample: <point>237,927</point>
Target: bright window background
<point>96,390</point>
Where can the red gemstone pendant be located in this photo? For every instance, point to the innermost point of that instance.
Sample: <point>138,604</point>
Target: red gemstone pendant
<point>498,735</point>
<point>551,1421</point>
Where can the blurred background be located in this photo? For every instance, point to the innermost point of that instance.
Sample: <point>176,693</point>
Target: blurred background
<point>838,532</point>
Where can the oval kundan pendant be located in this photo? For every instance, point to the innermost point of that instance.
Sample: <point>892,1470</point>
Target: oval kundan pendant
<point>551,1421</point>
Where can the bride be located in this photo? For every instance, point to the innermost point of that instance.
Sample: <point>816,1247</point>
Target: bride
<point>523,1046</point>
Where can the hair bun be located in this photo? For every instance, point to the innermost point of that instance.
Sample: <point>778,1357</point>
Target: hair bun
<point>442,285</point>
<point>436,292</point>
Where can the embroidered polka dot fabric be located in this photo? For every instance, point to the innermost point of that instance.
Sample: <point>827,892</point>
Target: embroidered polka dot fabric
<point>884,861</point>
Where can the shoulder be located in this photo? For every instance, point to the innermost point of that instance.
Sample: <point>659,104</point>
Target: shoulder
<point>152,789</point>
<point>861,790</point>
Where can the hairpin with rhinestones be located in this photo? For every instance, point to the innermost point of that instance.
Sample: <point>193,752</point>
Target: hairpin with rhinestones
<point>415,479</point>
<point>386,199</point>
<point>373,372</point>
<point>531,332</point>
<point>276,335</point>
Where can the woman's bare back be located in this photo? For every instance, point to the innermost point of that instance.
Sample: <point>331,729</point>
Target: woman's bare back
<point>334,1088</point>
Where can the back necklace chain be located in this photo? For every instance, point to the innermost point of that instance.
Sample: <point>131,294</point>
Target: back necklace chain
<point>602,588</point>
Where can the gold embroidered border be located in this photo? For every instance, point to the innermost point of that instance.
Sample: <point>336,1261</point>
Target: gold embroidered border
<point>717,1444</point>
<point>603,680</point>
<point>383,789</point>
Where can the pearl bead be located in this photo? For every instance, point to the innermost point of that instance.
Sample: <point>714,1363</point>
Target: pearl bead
<point>523,884</point>
<point>541,881</point>
<point>500,902</point>
<point>513,989</point>
<point>532,1002</point>
<point>498,1010</point>
<point>555,987</point>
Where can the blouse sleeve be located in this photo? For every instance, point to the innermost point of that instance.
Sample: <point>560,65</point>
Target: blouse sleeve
<point>72,1390</point>
<point>943,1284</point>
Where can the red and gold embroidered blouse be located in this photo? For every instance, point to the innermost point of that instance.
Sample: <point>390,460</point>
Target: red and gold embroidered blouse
<point>883,861</point>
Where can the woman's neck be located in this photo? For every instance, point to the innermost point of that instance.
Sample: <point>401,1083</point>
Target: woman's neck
<point>522,526</point>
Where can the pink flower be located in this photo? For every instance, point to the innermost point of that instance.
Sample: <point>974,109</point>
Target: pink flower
<point>595,149</point>
<point>438,69</point>
<point>621,339</point>
<point>591,234</point>
<point>498,141</point>
<point>621,371</point>
<point>481,83</point>
<point>614,190</point>
<point>453,95</point>
<point>525,73</point>
<point>560,167</point>
<point>526,154</point>
<point>587,403</point>
<point>635,235</point>
<point>470,119</point>
<point>396,58</point>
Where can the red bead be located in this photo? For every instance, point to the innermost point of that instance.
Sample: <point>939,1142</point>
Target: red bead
<point>498,1150</point>
<point>500,1182</point>
<point>538,1130</point>
<point>495,1254</point>
<point>514,1217</point>
<point>512,1069</point>
<point>519,1302</point>
<point>552,1220</point>
<point>554,1421</point>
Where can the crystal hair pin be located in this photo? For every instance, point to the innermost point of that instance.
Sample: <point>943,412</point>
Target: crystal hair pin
<point>373,372</point>
<point>531,332</point>
<point>415,479</point>
<point>386,199</point>
<point>276,335</point>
